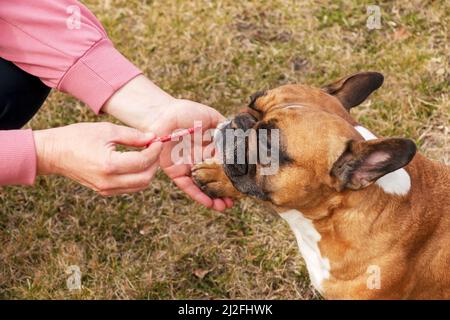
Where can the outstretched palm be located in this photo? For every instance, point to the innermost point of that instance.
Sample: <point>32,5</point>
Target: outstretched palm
<point>183,114</point>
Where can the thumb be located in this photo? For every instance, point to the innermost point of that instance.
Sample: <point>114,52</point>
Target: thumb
<point>212,117</point>
<point>216,117</point>
<point>132,137</point>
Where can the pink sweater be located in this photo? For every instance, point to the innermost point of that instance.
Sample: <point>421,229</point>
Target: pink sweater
<point>42,37</point>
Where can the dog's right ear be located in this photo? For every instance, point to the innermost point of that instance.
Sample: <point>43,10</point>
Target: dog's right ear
<point>253,108</point>
<point>254,97</point>
<point>354,89</point>
<point>363,162</point>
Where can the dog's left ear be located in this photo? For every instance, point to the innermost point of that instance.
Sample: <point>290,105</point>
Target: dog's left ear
<point>363,162</point>
<point>354,89</point>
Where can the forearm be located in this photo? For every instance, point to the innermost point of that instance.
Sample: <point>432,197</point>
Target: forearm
<point>143,105</point>
<point>47,156</point>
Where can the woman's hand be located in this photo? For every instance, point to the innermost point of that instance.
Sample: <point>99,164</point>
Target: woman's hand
<point>86,152</point>
<point>183,114</point>
<point>143,105</point>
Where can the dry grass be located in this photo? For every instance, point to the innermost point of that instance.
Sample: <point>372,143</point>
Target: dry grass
<point>158,244</point>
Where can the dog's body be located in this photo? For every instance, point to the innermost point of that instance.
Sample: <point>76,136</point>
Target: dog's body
<point>371,217</point>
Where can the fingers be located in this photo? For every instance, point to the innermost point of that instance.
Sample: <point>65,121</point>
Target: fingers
<point>133,161</point>
<point>127,172</point>
<point>178,170</point>
<point>180,175</point>
<point>218,205</point>
<point>136,180</point>
<point>130,136</point>
<point>129,183</point>
<point>228,202</point>
<point>187,185</point>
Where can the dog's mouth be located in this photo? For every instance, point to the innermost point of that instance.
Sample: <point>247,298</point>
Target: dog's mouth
<point>236,150</point>
<point>232,141</point>
<point>220,131</point>
<point>240,144</point>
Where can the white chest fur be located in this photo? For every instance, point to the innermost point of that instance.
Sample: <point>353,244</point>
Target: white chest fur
<point>396,182</point>
<point>308,239</point>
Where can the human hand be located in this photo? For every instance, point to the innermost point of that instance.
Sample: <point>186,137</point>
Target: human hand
<point>86,153</point>
<point>183,114</point>
<point>143,105</point>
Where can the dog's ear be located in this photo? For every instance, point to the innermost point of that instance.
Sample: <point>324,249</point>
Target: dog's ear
<point>354,89</point>
<point>254,97</point>
<point>363,162</point>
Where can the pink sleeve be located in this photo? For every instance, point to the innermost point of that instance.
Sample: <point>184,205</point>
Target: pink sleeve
<point>17,157</point>
<point>62,43</point>
<point>45,38</point>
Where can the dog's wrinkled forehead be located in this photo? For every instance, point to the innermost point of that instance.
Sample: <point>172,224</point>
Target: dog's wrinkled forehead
<point>337,97</point>
<point>262,103</point>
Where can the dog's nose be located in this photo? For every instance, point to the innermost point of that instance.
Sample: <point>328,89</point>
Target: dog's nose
<point>243,121</point>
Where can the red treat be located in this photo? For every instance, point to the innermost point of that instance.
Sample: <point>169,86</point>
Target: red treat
<point>174,135</point>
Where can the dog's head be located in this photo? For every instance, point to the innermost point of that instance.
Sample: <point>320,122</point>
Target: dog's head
<point>318,149</point>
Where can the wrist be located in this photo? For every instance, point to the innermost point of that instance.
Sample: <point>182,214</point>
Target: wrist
<point>45,151</point>
<point>138,103</point>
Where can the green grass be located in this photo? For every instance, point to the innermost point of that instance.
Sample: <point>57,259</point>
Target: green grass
<point>158,244</point>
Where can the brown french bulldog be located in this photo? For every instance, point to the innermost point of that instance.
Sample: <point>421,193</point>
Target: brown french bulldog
<point>371,217</point>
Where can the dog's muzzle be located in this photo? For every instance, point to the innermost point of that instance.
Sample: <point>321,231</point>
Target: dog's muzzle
<point>233,145</point>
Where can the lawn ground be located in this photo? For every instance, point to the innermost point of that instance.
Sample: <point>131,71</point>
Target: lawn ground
<point>158,244</point>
